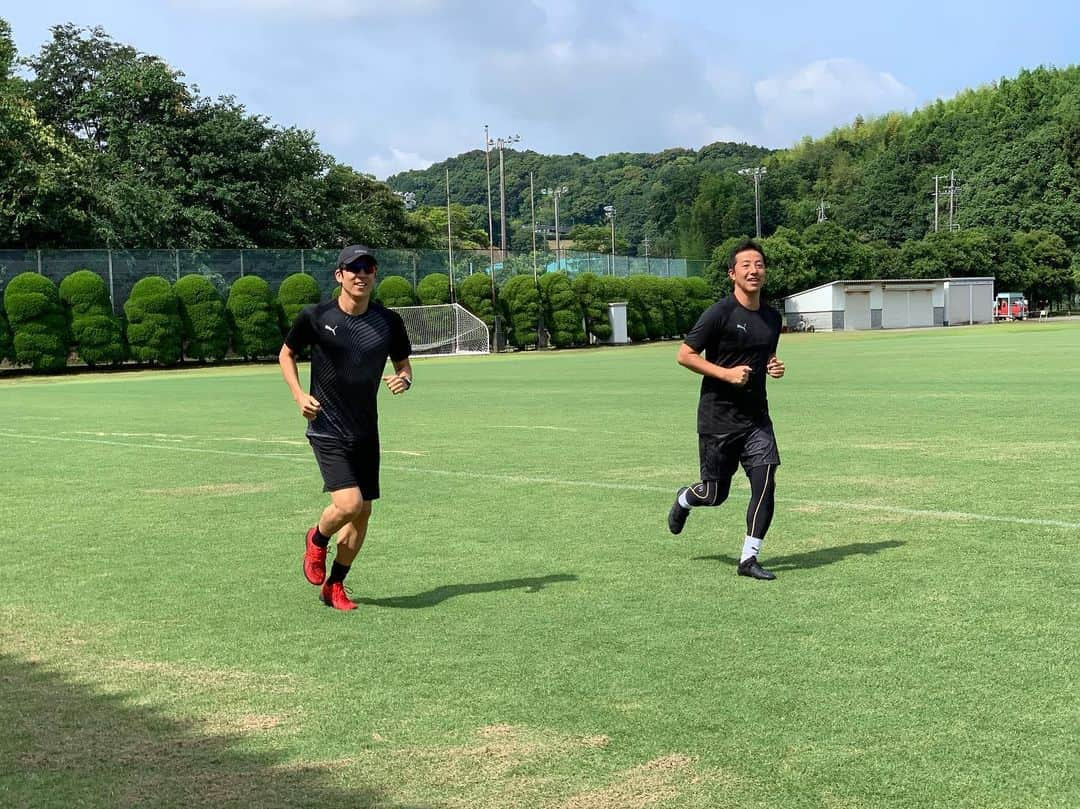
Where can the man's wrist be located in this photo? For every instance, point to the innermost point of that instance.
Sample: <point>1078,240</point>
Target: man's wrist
<point>406,379</point>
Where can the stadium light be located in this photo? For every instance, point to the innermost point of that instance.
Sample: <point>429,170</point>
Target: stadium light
<point>609,212</point>
<point>500,144</point>
<point>757,173</point>
<point>555,193</point>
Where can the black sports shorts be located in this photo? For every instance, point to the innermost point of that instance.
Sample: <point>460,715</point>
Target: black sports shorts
<point>348,463</point>
<point>721,454</point>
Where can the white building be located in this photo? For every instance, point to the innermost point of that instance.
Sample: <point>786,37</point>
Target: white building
<point>892,304</point>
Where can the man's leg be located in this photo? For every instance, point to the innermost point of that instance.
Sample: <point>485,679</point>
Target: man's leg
<point>345,506</point>
<point>719,457</point>
<point>759,514</point>
<point>351,535</point>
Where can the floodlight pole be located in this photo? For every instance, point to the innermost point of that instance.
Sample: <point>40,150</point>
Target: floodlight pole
<point>555,193</point>
<point>500,144</point>
<point>609,211</point>
<point>491,224</point>
<point>532,217</point>
<point>449,237</point>
<point>757,173</point>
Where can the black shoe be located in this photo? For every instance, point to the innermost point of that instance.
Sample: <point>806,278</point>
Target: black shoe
<point>676,518</point>
<point>750,567</point>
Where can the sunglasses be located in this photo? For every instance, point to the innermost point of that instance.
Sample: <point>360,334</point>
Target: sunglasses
<point>367,268</point>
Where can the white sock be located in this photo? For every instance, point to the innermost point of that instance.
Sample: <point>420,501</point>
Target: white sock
<point>750,547</point>
<point>682,499</point>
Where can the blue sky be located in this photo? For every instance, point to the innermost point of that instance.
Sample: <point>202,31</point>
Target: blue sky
<point>399,84</point>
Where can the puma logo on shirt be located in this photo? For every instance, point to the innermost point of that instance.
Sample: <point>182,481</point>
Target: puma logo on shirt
<point>331,329</point>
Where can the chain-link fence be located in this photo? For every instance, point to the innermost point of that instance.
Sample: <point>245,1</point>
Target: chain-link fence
<point>121,269</point>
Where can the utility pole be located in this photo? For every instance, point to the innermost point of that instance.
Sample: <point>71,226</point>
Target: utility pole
<point>952,191</point>
<point>757,173</point>
<point>935,195</point>
<point>645,244</point>
<point>491,224</point>
<point>821,216</point>
<point>449,237</point>
<point>555,193</point>
<point>500,144</point>
<point>532,217</point>
<point>609,212</point>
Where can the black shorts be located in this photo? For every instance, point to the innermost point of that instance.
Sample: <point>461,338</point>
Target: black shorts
<point>721,454</point>
<point>348,463</point>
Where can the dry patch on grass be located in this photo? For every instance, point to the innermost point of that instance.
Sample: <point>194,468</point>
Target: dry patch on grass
<point>212,490</point>
<point>662,779</point>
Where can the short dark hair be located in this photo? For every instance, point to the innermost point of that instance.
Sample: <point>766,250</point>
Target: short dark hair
<point>742,246</point>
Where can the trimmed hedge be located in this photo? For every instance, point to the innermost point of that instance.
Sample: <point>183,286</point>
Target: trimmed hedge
<point>395,291</point>
<point>474,293</point>
<point>95,330</point>
<point>521,299</point>
<point>296,292</point>
<point>562,313</point>
<point>593,303</point>
<point>154,327</point>
<point>254,320</point>
<point>202,313</point>
<point>7,350</point>
<point>434,289</point>
<point>39,329</point>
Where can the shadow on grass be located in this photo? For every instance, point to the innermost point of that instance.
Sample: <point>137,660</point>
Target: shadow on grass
<point>430,598</point>
<point>64,743</point>
<point>805,561</point>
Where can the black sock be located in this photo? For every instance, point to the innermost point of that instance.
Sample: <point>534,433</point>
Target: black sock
<point>318,540</point>
<point>338,572</point>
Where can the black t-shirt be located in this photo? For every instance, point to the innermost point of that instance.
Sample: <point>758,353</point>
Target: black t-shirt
<point>348,356</point>
<point>728,334</point>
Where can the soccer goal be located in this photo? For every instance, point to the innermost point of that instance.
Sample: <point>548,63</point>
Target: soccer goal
<point>448,328</point>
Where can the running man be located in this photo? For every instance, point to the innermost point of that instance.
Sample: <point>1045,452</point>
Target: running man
<point>350,339</point>
<point>738,336</point>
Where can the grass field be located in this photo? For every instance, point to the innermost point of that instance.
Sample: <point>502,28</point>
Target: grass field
<point>529,634</point>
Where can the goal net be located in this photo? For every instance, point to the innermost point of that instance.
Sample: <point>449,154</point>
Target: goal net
<point>448,328</point>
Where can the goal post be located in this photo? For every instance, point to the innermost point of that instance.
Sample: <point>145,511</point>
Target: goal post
<point>447,328</point>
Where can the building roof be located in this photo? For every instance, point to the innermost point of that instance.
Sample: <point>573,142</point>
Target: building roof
<point>893,281</point>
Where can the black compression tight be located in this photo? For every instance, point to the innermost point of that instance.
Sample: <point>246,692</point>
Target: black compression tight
<point>708,493</point>
<point>759,513</point>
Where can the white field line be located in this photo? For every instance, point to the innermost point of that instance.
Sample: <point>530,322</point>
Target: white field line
<point>960,516</point>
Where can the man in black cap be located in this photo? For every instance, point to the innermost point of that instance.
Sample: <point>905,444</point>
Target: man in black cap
<point>350,339</point>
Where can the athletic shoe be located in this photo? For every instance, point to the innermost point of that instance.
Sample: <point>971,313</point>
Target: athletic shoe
<point>314,560</point>
<point>334,595</point>
<point>750,567</point>
<point>676,517</point>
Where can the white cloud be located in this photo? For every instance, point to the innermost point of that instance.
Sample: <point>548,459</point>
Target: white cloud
<point>383,165</point>
<point>317,9</point>
<point>823,95</point>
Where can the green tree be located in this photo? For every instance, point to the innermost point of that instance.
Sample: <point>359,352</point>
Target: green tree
<point>7,350</point>
<point>591,300</point>
<point>154,328</point>
<point>254,322</point>
<point>562,314</point>
<point>203,317</point>
<point>40,336</point>
<point>474,293</point>
<point>396,291</point>
<point>522,301</point>
<point>1052,277</point>
<point>95,330</point>
<point>434,289</point>
<point>296,292</point>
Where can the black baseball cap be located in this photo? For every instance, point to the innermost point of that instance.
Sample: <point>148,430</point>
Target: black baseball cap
<point>355,252</point>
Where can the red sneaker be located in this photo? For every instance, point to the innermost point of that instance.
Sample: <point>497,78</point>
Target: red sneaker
<point>334,595</point>
<point>314,560</point>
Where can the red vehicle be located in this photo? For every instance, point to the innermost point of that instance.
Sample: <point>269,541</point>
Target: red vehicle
<point>1010,306</point>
